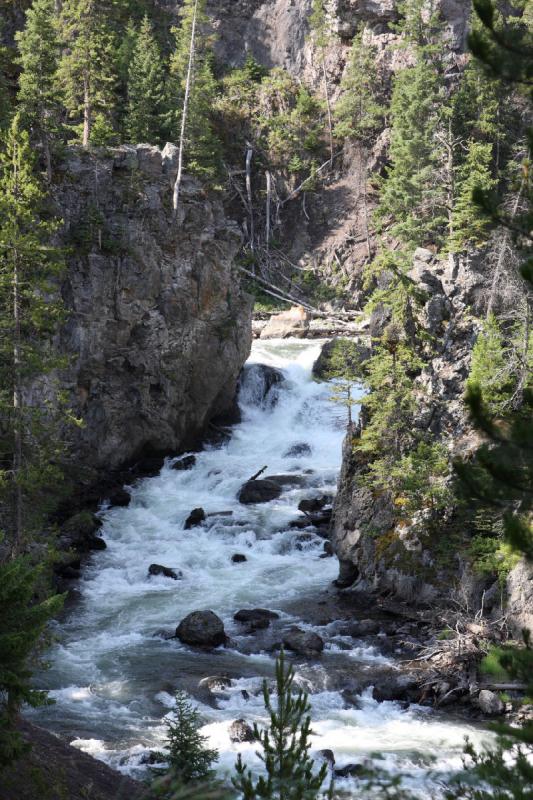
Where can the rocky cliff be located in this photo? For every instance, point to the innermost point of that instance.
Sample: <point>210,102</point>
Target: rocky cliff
<point>158,327</point>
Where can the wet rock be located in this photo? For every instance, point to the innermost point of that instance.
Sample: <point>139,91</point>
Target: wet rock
<point>314,504</point>
<point>120,498</point>
<point>400,687</point>
<point>258,491</point>
<point>255,615</point>
<point>152,757</point>
<point>259,383</point>
<point>238,558</point>
<point>187,462</point>
<point>215,683</point>
<point>166,572</point>
<point>327,756</point>
<point>349,771</point>
<point>241,731</point>
<point>79,533</point>
<point>96,543</point>
<point>302,540</point>
<point>363,627</point>
<point>195,518</point>
<point>490,703</point>
<point>163,633</point>
<point>297,450</point>
<point>69,573</point>
<point>328,549</point>
<point>286,480</point>
<point>201,628</point>
<point>305,643</point>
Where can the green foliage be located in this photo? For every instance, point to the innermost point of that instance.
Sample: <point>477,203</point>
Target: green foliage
<point>290,773</point>
<point>492,556</point>
<point>87,68</point>
<point>470,225</point>
<point>421,479</point>
<point>358,112</point>
<point>30,312</point>
<point>22,623</point>
<point>189,759</point>
<point>40,96</point>
<point>491,368</point>
<point>146,89</point>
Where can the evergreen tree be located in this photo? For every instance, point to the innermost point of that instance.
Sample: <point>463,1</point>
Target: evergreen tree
<point>146,89</point>
<point>470,226</point>
<point>29,316</point>
<point>87,67</point>
<point>201,148</point>
<point>290,773</point>
<point>22,622</point>
<point>189,759</point>
<point>39,94</point>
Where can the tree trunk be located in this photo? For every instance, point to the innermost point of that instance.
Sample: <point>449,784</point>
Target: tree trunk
<point>328,107</point>
<point>249,154</point>
<point>47,157</point>
<point>268,201</point>
<point>501,255</point>
<point>363,171</point>
<point>188,82</point>
<point>87,111</point>
<point>17,411</point>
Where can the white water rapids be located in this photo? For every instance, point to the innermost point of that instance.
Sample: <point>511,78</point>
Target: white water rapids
<point>113,681</point>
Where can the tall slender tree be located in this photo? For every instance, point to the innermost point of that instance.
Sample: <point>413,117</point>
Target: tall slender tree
<point>87,68</point>
<point>28,317</point>
<point>40,95</point>
<point>146,89</point>
<point>321,34</point>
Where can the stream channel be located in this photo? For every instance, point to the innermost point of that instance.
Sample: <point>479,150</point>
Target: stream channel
<point>113,680</point>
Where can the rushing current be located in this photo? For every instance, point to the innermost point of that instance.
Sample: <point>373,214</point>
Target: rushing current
<point>113,678</point>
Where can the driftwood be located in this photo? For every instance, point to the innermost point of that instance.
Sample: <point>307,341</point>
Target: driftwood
<point>257,474</point>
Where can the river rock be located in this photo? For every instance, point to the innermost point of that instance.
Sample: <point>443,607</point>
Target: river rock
<point>314,504</point>
<point>215,683</point>
<point>349,771</point>
<point>238,558</point>
<point>167,572</point>
<point>490,703</point>
<point>195,518</point>
<point>79,533</point>
<point>294,322</point>
<point>297,450</point>
<point>396,686</point>
<point>187,462</point>
<point>327,756</point>
<point>241,731</point>
<point>258,491</point>
<point>201,628</point>
<point>286,480</point>
<point>254,615</point>
<point>119,497</point>
<point>305,643</point>
<point>259,383</point>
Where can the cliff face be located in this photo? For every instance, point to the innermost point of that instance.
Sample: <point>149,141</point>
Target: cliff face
<point>158,327</point>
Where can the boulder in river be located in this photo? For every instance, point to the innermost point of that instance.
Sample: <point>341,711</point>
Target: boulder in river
<point>293,322</point>
<point>241,731</point>
<point>259,383</point>
<point>312,505</point>
<point>254,615</point>
<point>119,497</point>
<point>287,480</point>
<point>238,558</point>
<point>326,755</point>
<point>490,703</point>
<point>215,683</point>
<point>297,450</point>
<point>305,643</point>
<point>202,628</point>
<point>166,572</point>
<point>195,518</point>
<point>187,462</point>
<point>258,491</point>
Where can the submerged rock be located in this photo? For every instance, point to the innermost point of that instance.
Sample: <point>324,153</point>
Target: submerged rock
<point>238,558</point>
<point>305,643</point>
<point>287,480</point>
<point>195,518</point>
<point>241,731</point>
<point>201,628</point>
<point>187,462</point>
<point>259,384</point>
<point>297,450</point>
<point>254,615</point>
<point>167,572</point>
<point>258,491</point>
<point>215,683</point>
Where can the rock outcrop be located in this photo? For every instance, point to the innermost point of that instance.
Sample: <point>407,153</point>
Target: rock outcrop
<point>158,327</point>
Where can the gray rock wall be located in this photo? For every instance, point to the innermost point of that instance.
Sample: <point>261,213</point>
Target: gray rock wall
<point>158,327</point>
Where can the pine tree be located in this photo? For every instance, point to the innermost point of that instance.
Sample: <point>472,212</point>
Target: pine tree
<point>191,92</point>
<point>470,225</point>
<point>22,623</point>
<point>29,316</point>
<point>146,89</point>
<point>87,66</point>
<point>40,96</point>
<point>290,773</point>
<point>189,759</point>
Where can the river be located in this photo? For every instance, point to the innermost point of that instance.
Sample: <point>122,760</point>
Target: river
<point>112,679</point>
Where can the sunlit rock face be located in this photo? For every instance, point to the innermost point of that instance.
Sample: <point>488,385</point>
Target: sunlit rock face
<point>158,327</point>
